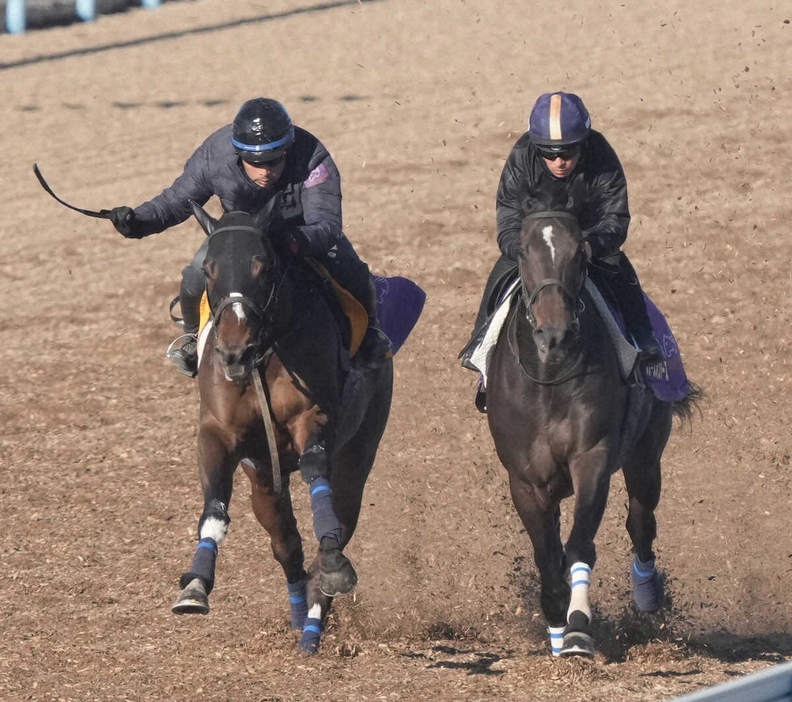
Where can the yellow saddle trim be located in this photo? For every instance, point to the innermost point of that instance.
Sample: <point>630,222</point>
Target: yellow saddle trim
<point>352,308</point>
<point>206,313</point>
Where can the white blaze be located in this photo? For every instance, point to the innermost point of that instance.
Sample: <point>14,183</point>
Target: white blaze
<point>547,234</point>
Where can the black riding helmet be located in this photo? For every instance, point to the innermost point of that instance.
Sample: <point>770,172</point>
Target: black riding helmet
<point>262,131</point>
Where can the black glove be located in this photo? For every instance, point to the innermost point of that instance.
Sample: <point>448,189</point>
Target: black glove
<point>123,219</point>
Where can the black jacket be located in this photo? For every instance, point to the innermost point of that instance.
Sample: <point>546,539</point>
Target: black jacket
<point>310,190</point>
<point>597,191</point>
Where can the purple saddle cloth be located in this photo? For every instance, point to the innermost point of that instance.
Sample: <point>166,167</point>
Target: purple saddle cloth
<point>672,386</point>
<point>399,305</point>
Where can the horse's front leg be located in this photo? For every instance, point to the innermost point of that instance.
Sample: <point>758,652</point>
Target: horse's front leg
<point>216,467</point>
<point>590,472</point>
<point>276,515</point>
<point>540,513</point>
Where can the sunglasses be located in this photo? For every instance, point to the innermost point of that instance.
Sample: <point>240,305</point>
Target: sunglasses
<point>565,155</point>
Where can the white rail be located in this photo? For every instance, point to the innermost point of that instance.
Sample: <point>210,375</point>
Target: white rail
<point>771,685</point>
<point>16,18</point>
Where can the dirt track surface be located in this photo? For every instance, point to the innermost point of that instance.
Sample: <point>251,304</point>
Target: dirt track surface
<point>420,103</point>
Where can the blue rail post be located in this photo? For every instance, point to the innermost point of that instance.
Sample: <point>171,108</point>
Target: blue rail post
<point>15,16</point>
<point>85,10</point>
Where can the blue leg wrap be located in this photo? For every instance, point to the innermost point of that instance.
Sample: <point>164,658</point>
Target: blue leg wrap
<point>325,521</point>
<point>312,633</point>
<point>298,604</point>
<point>648,589</point>
<point>203,564</point>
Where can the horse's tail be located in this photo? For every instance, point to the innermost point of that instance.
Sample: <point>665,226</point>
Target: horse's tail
<point>683,409</point>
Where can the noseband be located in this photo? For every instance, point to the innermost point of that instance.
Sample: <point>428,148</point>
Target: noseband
<point>529,299</point>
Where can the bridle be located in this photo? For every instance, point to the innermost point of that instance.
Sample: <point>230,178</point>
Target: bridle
<point>263,347</point>
<point>529,300</point>
<point>263,342</point>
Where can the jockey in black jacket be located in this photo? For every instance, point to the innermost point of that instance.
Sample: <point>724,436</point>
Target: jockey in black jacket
<point>260,155</point>
<point>561,149</point>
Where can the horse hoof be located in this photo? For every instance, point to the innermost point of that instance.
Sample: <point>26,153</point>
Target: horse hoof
<point>576,643</point>
<point>192,600</point>
<point>336,576</point>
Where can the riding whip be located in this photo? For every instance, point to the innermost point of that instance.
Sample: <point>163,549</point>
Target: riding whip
<point>101,214</point>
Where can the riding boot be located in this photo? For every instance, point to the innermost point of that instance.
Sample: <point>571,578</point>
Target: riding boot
<point>375,344</point>
<point>633,306</point>
<point>186,356</point>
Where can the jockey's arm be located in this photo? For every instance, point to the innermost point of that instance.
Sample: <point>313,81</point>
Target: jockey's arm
<point>609,230</point>
<point>172,205</point>
<point>321,224</point>
<point>508,209</point>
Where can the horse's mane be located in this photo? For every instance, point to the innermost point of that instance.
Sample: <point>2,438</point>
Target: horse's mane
<point>237,218</point>
<point>552,196</point>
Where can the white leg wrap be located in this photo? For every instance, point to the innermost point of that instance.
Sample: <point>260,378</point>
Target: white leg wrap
<point>581,580</point>
<point>556,639</point>
<point>214,528</point>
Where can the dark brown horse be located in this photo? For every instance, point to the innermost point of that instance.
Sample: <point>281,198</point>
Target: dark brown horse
<point>279,394</point>
<point>564,420</point>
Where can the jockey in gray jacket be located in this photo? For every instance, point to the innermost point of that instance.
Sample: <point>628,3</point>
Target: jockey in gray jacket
<point>260,155</point>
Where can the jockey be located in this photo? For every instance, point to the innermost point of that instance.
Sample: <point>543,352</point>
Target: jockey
<point>260,155</point>
<point>560,147</point>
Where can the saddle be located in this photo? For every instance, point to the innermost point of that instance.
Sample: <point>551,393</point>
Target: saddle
<point>672,386</point>
<point>350,313</point>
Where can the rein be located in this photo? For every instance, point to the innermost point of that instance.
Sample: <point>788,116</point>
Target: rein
<point>266,415</point>
<point>570,373</point>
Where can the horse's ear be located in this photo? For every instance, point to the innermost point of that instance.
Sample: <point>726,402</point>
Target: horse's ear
<point>207,222</point>
<point>532,199</point>
<point>267,214</point>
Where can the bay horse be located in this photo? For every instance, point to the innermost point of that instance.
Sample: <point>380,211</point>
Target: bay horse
<point>279,394</point>
<point>564,420</point>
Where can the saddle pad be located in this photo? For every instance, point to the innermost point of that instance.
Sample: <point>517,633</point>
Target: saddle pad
<point>400,302</point>
<point>202,336</point>
<point>351,307</point>
<point>481,354</point>
<point>399,305</point>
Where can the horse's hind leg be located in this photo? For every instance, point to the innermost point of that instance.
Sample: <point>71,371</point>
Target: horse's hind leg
<point>642,477</point>
<point>276,515</point>
<point>351,467</point>
<point>542,521</point>
<point>350,471</point>
<point>337,576</point>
